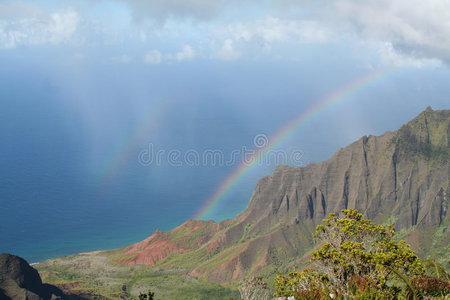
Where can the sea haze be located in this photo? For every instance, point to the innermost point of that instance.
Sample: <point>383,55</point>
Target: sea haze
<point>72,132</point>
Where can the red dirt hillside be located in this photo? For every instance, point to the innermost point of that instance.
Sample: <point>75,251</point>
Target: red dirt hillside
<point>186,237</point>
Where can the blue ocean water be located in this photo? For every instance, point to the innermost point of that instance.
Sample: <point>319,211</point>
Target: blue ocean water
<point>54,203</point>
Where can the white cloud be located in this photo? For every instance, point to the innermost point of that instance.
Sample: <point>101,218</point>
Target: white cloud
<point>153,57</point>
<point>63,26</point>
<point>273,29</point>
<point>264,33</point>
<point>186,53</point>
<point>227,51</point>
<point>41,29</point>
<point>416,28</point>
<point>389,56</point>
<point>416,31</point>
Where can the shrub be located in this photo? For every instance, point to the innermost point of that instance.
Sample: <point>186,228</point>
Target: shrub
<point>357,259</point>
<point>147,296</point>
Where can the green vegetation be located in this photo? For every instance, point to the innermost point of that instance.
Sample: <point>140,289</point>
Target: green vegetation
<point>94,274</point>
<point>360,260</point>
<point>440,245</point>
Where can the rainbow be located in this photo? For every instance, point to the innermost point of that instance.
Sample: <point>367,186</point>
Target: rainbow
<point>343,93</point>
<point>127,147</point>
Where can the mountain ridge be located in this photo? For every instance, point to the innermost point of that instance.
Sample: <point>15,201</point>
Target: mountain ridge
<point>403,174</point>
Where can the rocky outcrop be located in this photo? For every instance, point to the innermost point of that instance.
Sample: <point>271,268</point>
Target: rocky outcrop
<point>20,281</point>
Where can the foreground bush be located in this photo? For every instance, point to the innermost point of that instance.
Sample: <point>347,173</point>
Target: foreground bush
<point>359,260</point>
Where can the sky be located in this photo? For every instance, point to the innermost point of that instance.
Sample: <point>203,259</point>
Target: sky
<point>399,32</point>
<point>88,87</point>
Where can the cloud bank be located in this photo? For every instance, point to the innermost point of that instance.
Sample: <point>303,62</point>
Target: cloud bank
<point>22,24</point>
<point>406,32</point>
<point>413,27</point>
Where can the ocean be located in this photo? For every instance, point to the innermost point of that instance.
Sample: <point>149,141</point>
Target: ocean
<point>59,198</point>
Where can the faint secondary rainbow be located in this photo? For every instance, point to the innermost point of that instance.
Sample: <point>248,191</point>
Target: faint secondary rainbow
<point>126,149</point>
<point>341,94</point>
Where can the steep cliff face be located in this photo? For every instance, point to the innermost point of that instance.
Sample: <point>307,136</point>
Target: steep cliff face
<point>401,177</point>
<point>404,174</point>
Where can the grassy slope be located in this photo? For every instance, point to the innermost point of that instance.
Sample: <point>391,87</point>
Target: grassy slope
<point>96,274</point>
